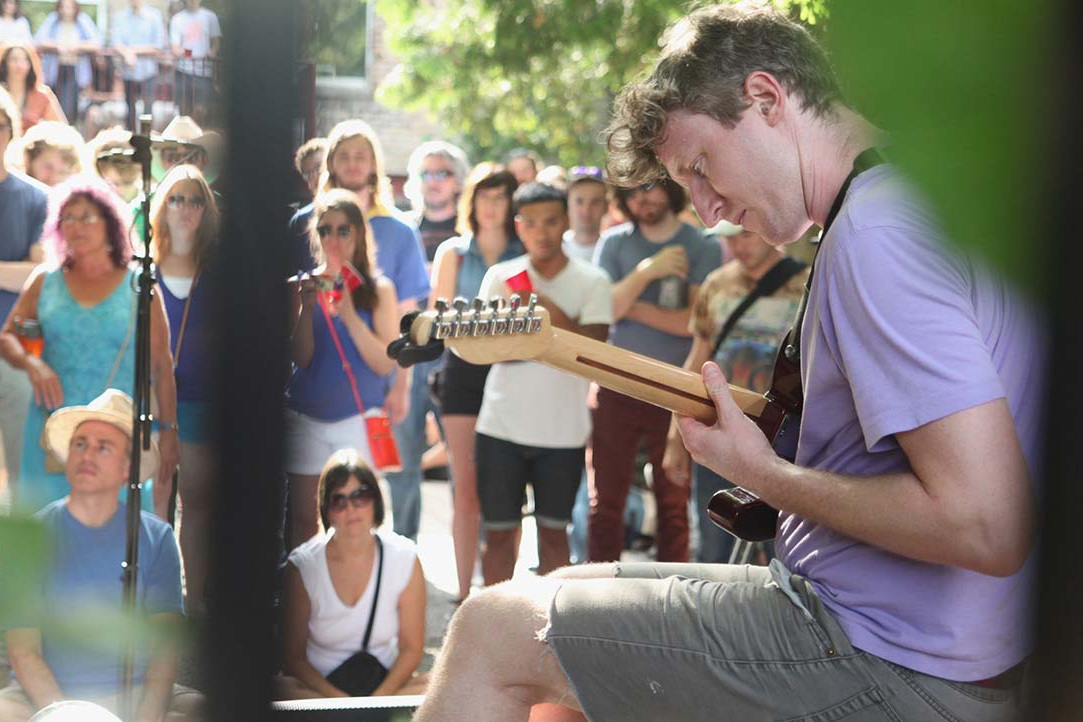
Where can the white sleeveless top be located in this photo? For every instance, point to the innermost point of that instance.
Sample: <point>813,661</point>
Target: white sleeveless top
<point>336,631</point>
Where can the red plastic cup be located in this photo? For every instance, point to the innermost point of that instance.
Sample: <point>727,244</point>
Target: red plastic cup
<point>520,282</point>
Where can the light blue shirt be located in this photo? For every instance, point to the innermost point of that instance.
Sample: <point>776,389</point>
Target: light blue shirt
<point>132,29</point>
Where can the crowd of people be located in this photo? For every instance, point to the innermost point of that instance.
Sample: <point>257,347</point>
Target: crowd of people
<point>67,70</point>
<point>626,263</point>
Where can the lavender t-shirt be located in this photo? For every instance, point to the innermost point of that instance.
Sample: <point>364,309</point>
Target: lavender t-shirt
<point>903,330</point>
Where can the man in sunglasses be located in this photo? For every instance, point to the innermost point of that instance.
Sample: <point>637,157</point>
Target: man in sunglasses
<point>905,544</point>
<point>435,174</point>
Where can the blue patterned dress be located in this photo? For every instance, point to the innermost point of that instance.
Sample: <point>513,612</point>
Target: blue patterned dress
<point>81,345</point>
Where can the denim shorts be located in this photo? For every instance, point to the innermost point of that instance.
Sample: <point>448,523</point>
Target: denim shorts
<point>719,642</point>
<point>504,470</point>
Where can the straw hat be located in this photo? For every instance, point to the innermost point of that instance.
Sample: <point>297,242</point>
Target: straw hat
<point>113,407</point>
<point>182,130</point>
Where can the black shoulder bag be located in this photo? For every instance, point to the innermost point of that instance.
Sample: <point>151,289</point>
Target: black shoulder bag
<point>362,673</point>
<point>773,280</point>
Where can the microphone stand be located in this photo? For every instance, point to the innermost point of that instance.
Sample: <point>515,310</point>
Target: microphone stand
<point>141,145</point>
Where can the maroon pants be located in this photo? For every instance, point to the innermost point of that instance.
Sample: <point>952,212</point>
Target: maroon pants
<point>621,424</point>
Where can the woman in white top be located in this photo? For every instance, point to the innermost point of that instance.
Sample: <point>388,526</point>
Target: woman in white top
<point>330,581</point>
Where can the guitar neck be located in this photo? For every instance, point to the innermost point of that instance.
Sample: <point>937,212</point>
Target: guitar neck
<point>640,377</point>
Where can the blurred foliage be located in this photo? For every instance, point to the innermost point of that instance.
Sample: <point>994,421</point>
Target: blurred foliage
<point>961,91</point>
<point>541,74</point>
<point>22,563</point>
<point>338,35</point>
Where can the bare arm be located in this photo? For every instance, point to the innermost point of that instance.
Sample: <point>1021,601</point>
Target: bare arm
<point>48,391</point>
<point>28,663</point>
<point>295,637</point>
<point>302,343</point>
<point>161,672</point>
<point>673,322</point>
<point>53,111</point>
<point>13,274</point>
<point>677,462</point>
<point>670,261</point>
<point>165,391</point>
<point>411,610</point>
<point>372,343</point>
<point>442,275</point>
<point>968,501</point>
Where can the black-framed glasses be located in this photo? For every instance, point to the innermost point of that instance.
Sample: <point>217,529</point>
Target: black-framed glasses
<point>178,201</point>
<point>342,231</point>
<point>358,498</point>
<point>435,174</point>
<point>585,171</point>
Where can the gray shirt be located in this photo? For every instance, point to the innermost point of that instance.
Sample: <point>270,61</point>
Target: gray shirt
<point>22,215</point>
<point>619,252</point>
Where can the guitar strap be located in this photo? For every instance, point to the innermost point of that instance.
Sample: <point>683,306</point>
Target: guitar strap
<point>868,158</point>
<point>771,281</point>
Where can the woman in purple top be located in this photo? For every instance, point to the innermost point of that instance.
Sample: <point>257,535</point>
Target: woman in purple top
<point>184,219</point>
<point>345,315</point>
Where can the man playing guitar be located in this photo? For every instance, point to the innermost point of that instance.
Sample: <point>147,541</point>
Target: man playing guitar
<point>905,542</point>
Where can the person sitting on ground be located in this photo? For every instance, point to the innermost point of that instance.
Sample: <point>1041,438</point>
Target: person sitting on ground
<point>88,532</point>
<point>50,152</point>
<point>352,588</point>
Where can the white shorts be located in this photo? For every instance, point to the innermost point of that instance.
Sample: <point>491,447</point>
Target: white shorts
<point>310,442</point>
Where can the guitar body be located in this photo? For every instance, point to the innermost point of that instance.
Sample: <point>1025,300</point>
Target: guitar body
<point>485,333</point>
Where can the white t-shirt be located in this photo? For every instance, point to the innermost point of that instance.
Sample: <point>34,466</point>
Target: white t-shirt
<point>193,31</point>
<point>574,249</point>
<point>335,631</point>
<point>535,405</point>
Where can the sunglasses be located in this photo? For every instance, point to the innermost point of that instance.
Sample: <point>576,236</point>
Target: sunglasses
<point>585,171</point>
<point>342,231</point>
<point>435,174</point>
<point>176,202</point>
<point>359,498</point>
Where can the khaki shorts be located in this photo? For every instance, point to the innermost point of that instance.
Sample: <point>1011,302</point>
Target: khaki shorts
<point>717,642</point>
<point>14,696</point>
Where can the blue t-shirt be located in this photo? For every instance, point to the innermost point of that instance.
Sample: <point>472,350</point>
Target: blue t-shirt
<point>620,251</point>
<point>22,215</point>
<point>322,390</point>
<point>84,591</point>
<point>144,27</point>
<point>399,254</point>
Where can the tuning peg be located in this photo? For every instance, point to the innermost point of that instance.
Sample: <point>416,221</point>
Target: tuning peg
<point>460,304</point>
<point>496,303</point>
<point>514,304</point>
<point>441,306</point>
<point>479,304</point>
<point>531,304</point>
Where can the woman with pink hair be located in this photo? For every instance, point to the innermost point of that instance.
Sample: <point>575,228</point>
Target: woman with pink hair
<point>83,301</point>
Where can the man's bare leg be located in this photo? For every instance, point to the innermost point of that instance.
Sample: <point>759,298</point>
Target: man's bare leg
<point>493,665</point>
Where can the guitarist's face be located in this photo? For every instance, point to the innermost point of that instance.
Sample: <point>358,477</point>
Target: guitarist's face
<point>541,226</point>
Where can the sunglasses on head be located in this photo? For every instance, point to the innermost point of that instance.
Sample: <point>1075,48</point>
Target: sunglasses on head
<point>342,231</point>
<point>359,498</point>
<point>435,174</point>
<point>178,201</point>
<point>585,171</point>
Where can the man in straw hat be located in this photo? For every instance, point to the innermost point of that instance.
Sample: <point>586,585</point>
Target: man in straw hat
<point>87,531</point>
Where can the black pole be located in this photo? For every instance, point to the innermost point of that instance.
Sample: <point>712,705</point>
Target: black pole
<point>250,357</point>
<point>141,419</point>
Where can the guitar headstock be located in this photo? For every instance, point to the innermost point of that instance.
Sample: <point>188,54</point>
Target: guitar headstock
<point>477,331</point>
